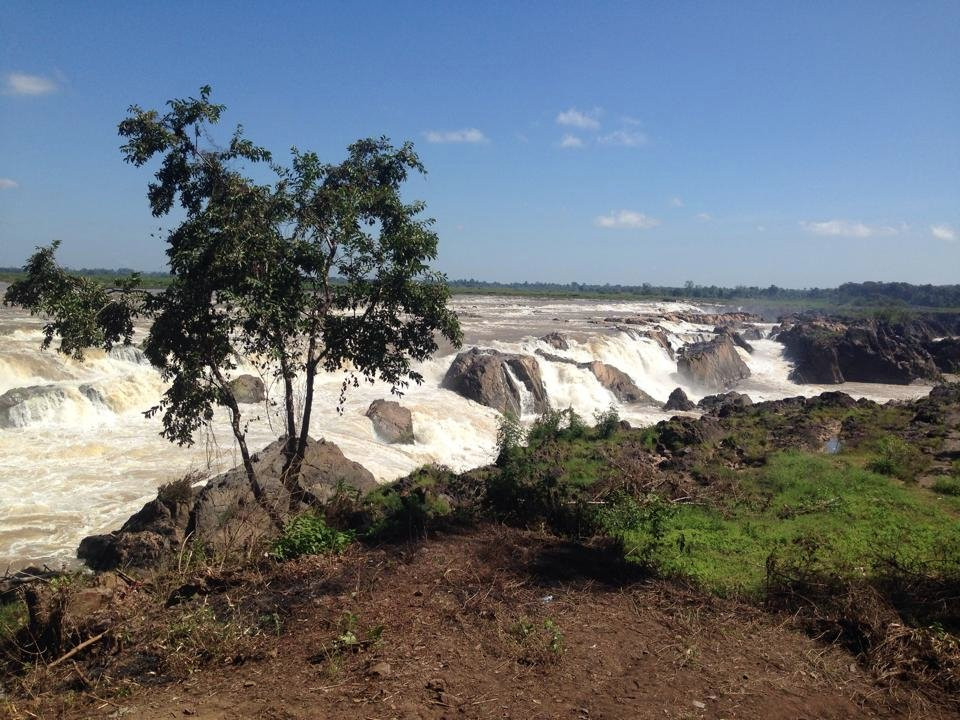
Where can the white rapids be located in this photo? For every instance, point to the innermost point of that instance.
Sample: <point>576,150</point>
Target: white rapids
<point>77,455</point>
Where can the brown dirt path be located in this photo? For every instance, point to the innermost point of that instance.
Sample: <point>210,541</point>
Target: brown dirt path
<point>498,623</point>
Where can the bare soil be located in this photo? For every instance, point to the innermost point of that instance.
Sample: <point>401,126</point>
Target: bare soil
<point>502,623</point>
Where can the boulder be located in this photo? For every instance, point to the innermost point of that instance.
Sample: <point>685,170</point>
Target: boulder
<point>226,514</point>
<point>493,378</point>
<point>391,421</point>
<point>156,530</point>
<point>751,332</point>
<point>555,358</point>
<point>713,365</point>
<point>248,389</point>
<point>945,353</point>
<point>713,403</point>
<point>826,351</point>
<point>223,515</point>
<point>558,341</point>
<point>619,383</point>
<point>21,406</point>
<point>678,400</point>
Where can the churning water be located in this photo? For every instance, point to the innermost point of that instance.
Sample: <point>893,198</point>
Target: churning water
<point>77,456</point>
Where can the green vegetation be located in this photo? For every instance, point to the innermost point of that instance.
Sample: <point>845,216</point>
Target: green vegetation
<point>858,519</point>
<point>13,616</point>
<point>309,534</point>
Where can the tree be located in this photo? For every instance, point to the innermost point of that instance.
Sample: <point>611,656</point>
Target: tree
<point>324,268</point>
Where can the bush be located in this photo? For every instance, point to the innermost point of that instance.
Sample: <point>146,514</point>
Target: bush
<point>607,422</point>
<point>641,522</point>
<point>896,458</point>
<point>309,534</point>
<point>946,485</point>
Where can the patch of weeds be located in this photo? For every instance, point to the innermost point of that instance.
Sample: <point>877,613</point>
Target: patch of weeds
<point>539,642</point>
<point>896,458</point>
<point>351,638</point>
<point>179,491</point>
<point>13,618</point>
<point>309,534</point>
<point>947,485</point>
<point>641,523</point>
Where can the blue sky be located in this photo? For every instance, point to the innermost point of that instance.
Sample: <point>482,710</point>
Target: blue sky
<point>792,143</point>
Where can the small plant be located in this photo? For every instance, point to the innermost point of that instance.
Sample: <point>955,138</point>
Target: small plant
<point>641,522</point>
<point>511,438</point>
<point>607,422</point>
<point>896,458</point>
<point>947,485</point>
<point>179,491</point>
<point>540,642</point>
<point>309,534</point>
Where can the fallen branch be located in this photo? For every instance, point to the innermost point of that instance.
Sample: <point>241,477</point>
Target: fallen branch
<point>85,644</point>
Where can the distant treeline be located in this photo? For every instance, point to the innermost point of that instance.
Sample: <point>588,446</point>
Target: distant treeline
<point>866,294</point>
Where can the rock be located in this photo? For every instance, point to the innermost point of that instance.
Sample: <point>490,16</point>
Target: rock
<point>156,530</point>
<point>380,670</point>
<point>751,332</point>
<point>555,358</point>
<point>21,406</point>
<point>659,336</point>
<point>391,421</point>
<point>741,343</point>
<point>945,353</point>
<point>826,351</point>
<point>712,365</point>
<point>725,400</point>
<point>556,340</point>
<point>223,514</point>
<point>678,400</point>
<point>619,383</point>
<point>493,378</point>
<point>248,389</point>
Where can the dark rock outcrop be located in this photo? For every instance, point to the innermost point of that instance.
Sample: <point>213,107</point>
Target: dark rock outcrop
<point>485,377</point>
<point>678,400</point>
<point>391,421</point>
<point>830,352</point>
<point>155,531</point>
<point>945,353</point>
<point>751,332</point>
<point>712,365</point>
<point>556,340</point>
<point>224,514</point>
<point>712,403</point>
<point>248,389</point>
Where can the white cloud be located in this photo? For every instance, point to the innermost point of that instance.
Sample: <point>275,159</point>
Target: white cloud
<point>626,219</point>
<point>466,135</point>
<point>676,201</point>
<point>845,228</point>
<point>571,141</point>
<point>23,84</point>
<point>704,217</point>
<point>8,184</point>
<point>624,138</point>
<point>589,120</point>
<point>943,232</point>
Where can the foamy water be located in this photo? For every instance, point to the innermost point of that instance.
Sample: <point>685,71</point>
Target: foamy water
<point>79,457</point>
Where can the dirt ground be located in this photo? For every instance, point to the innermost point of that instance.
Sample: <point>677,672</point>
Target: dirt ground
<point>499,623</point>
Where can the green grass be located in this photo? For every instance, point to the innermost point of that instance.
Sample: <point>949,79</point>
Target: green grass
<point>854,516</point>
<point>13,616</point>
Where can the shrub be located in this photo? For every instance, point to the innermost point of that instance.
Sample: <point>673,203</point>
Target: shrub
<point>896,458</point>
<point>607,422</point>
<point>510,438</point>
<point>641,522</point>
<point>946,485</point>
<point>309,534</point>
